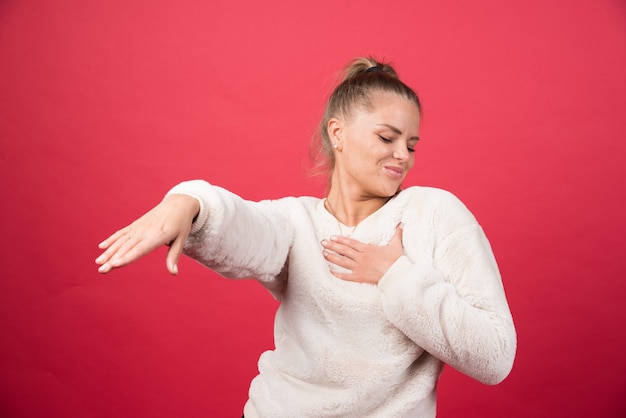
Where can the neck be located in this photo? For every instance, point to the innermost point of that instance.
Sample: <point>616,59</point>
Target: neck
<point>351,210</point>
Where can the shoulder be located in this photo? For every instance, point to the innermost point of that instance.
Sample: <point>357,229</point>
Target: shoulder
<point>436,203</point>
<point>294,201</point>
<point>430,196</point>
<point>292,204</point>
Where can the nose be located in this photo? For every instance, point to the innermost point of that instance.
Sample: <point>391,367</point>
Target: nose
<point>401,152</point>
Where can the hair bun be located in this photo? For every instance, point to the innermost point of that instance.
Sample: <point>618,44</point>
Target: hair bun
<point>367,65</point>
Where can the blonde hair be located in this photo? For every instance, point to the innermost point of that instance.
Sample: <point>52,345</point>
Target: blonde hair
<point>360,79</point>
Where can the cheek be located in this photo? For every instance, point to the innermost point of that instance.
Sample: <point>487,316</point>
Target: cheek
<point>411,162</point>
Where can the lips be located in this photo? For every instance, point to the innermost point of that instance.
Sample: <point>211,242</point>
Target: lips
<point>395,172</point>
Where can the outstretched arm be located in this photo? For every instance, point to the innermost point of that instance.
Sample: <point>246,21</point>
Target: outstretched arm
<point>168,223</point>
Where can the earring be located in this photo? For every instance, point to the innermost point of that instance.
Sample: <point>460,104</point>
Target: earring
<point>335,146</point>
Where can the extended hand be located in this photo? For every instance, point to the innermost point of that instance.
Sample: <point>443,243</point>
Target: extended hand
<point>167,223</point>
<point>367,263</point>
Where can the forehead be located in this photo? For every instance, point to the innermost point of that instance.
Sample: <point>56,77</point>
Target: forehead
<point>389,107</point>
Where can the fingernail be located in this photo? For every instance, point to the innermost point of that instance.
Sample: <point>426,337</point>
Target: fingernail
<point>103,268</point>
<point>115,262</point>
<point>324,242</point>
<point>175,269</point>
<point>333,238</point>
<point>100,259</point>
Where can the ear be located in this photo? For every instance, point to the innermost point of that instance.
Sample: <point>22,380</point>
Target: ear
<point>335,133</point>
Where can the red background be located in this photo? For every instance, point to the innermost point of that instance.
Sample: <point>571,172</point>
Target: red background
<point>105,105</point>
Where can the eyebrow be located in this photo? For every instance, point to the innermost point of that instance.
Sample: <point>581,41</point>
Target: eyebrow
<point>397,131</point>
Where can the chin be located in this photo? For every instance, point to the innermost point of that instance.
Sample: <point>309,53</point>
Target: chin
<point>392,191</point>
<point>396,189</point>
<point>386,189</point>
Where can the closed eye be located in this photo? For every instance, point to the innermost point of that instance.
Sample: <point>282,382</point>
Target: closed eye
<point>389,141</point>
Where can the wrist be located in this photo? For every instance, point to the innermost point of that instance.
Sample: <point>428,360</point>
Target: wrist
<point>188,205</point>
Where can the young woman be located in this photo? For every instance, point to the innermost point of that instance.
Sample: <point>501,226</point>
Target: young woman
<point>379,287</point>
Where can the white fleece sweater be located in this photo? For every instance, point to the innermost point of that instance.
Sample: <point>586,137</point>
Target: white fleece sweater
<point>347,349</point>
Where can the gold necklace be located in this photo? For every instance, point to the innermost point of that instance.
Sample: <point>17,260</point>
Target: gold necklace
<point>332,212</point>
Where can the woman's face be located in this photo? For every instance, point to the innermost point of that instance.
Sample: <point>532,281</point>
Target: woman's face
<point>375,147</point>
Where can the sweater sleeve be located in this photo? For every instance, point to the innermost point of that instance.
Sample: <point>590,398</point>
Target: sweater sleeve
<point>235,237</point>
<point>454,305</point>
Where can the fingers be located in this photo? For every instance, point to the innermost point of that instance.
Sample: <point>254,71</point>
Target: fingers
<point>127,246</point>
<point>112,246</point>
<point>365,263</point>
<point>351,243</point>
<point>120,252</point>
<point>338,259</point>
<point>347,276</point>
<point>113,238</point>
<point>173,255</point>
<point>343,246</point>
<point>354,276</point>
<point>167,223</point>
